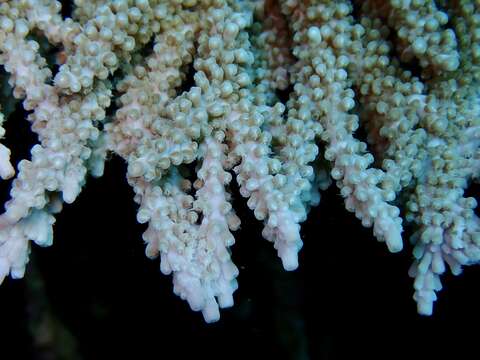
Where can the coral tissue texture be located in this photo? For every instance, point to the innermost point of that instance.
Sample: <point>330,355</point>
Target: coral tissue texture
<point>281,98</point>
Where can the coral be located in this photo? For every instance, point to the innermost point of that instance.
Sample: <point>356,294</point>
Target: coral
<point>191,94</point>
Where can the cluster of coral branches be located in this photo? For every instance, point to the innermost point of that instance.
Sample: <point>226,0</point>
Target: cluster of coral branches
<point>196,92</point>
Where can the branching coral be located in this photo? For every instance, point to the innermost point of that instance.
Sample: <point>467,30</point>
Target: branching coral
<point>185,139</point>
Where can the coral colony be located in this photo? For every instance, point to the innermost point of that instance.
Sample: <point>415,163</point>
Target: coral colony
<point>268,95</point>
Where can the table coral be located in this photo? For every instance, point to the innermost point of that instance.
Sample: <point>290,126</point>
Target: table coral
<point>197,95</point>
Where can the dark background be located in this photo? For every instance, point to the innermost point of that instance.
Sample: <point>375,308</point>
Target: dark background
<point>94,294</point>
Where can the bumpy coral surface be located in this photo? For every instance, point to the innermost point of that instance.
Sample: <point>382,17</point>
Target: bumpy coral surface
<point>195,96</point>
